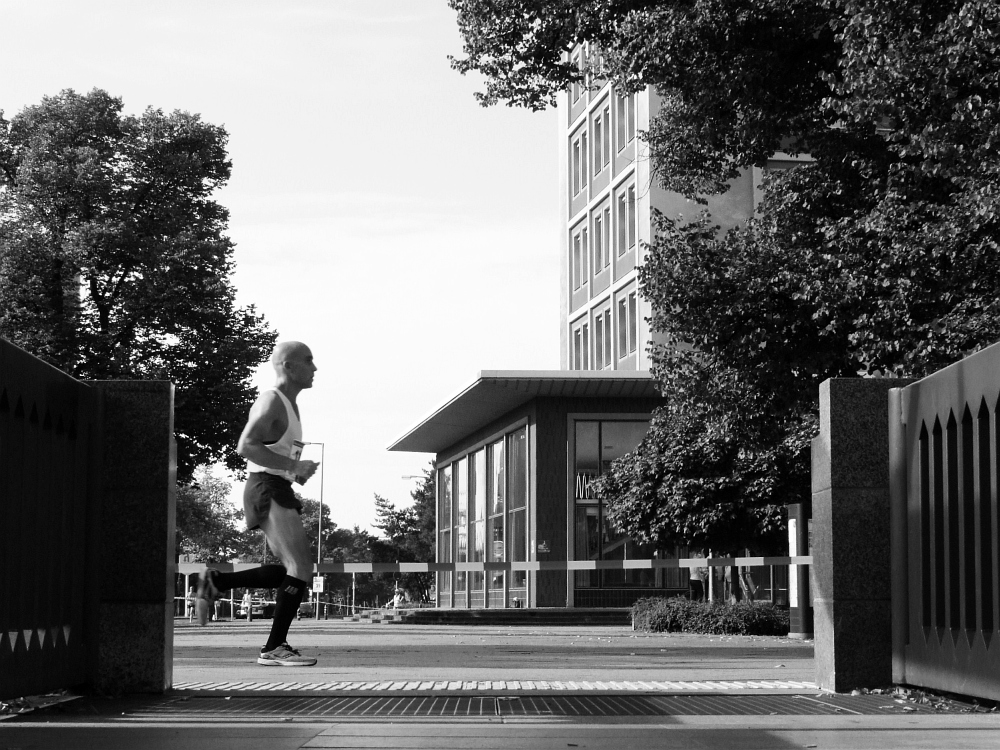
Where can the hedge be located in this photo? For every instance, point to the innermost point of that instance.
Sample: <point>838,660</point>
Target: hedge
<point>678,614</point>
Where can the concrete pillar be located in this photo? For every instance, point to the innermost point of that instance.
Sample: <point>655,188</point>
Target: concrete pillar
<point>133,526</point>
<point>851,535</point>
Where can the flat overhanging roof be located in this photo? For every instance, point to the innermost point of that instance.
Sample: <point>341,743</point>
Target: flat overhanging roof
<point>496,392</point>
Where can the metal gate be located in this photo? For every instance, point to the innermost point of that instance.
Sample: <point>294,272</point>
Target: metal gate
<point>48,424</point>
<point>944,454</point>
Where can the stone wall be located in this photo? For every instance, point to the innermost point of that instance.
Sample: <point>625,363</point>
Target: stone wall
<point>851,535</point>
<point>134,540</point>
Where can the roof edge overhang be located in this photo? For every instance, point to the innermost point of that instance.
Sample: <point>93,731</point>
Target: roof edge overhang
<point>496,392</point>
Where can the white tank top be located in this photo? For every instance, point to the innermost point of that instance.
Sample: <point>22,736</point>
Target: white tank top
<point>289,444</point>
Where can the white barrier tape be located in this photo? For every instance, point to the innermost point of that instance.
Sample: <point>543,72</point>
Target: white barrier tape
<point>537,565</point>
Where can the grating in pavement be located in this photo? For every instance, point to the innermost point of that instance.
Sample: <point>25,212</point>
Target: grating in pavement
<point>392,686</point>
<point>429,706</point>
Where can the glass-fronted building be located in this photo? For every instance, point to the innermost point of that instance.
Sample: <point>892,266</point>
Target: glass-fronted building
<point>515,455</point>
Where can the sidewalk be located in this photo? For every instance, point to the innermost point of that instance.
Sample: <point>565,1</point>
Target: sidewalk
<point>372,653</point>
<point>391,686</point>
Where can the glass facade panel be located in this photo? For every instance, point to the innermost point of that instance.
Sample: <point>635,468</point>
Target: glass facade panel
<point>517,486</point>
<point>477,507</point>
<point>444,550</point>
<point>517,501</point>
<point>598,443</point>
<point>461,488</point>
<point>444,555</point>
<point>588,536</point>
<point>616,546</point>
<point>496,485</point>
<point>587,457</point>
<point>518,526</point>
<point>618,438</point>
<point>495,505</point>
<point>444,498</point>
<point>588,529</point>
<point>477,485</point>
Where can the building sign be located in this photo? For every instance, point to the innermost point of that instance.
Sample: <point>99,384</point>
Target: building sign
<point>498,550</point>
<point>543,546</point>
<point>584,480</point>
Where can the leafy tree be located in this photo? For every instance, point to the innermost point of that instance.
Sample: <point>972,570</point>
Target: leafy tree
<point>410,532</point>
<point>114,262</point>
<point>208,526</point>
<point>876,257</point>
<point>346,545</point>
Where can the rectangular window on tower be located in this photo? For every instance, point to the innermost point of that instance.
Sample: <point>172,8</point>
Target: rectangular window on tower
<point>602,339</point>
<point>606,136</point>
<point>578,259</point>
<point>576,89</point>
<point>625,116</point>
<point>630,200</point>
<point>598,140</point>
<point>581,346</point>
<point>578,162</point>
<point>625,219</point>
<point>627,324</point>
<point>601,128</point>
<point>599,242</point>
<point>633,329</point>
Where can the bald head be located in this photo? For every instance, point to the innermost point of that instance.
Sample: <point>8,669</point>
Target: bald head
<point>293,365</point>
<point>289,351</point>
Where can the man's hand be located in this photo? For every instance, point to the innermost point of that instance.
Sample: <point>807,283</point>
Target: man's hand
<point>303,470</point>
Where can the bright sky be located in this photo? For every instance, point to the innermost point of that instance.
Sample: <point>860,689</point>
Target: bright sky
<point>408,235</point>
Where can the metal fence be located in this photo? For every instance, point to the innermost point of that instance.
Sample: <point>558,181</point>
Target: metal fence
<point>944,452</point>
<point>47,425</point>
<point>755,564</point>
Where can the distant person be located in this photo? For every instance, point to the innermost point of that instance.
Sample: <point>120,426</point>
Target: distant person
<point>697,580</point>
<point>248,606</point>
<point>272,444</point>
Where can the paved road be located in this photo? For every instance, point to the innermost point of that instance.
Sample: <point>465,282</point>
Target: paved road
<point>372,652</point>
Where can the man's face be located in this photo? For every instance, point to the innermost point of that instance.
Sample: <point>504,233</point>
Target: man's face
<point>300,367</point>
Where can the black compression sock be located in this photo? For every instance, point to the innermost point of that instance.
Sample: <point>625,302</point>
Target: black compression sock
<point>264,577</point>
<point>287,602</point>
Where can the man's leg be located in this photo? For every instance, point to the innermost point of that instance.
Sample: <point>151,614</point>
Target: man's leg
<point>212,582</point>
<point>287,539</point>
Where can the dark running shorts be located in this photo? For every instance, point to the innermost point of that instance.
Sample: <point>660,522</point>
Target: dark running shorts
<point>261,490</point>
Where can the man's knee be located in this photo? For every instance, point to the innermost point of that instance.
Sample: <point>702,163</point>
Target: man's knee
<point>300,567</point>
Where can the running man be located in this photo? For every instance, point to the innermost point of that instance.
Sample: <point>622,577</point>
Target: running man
<point>272,442</point>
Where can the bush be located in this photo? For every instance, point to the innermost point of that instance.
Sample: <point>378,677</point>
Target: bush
<point>678,614</point>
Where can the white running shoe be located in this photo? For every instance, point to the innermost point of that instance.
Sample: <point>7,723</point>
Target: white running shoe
<point>284,656</point>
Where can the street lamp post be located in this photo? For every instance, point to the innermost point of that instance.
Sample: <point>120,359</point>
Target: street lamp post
<point>319,520</point>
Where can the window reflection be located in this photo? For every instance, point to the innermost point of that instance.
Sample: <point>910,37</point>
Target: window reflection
<point>444,552</point>
<point>517,501</point>
<point>598,443</point>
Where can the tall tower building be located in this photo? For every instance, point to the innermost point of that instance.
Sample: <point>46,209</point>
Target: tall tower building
<point>605,205</point>
<point>608,193</point>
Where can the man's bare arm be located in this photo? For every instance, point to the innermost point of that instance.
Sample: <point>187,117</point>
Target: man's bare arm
<point>266,424</point>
